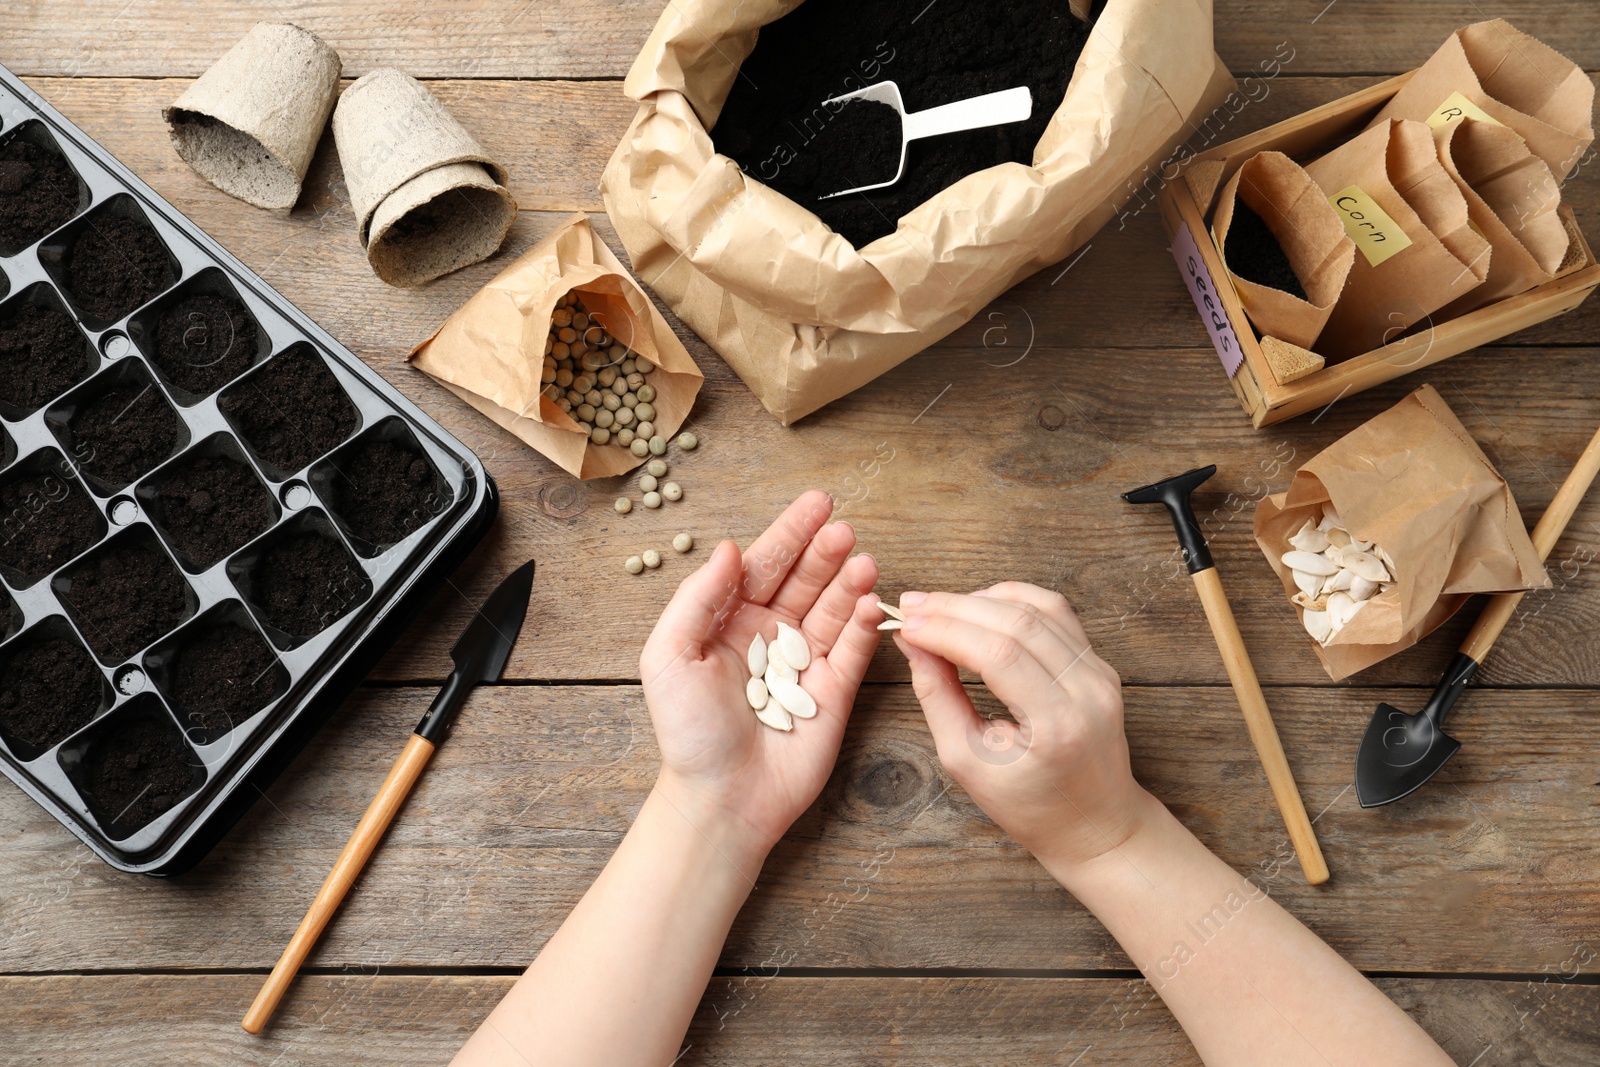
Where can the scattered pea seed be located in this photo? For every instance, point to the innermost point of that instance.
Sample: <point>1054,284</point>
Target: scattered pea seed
<point>600,435</point>
<point>652,558</point>
<point>657,467</point>
<point>623,505</point>
<point>683,542</point>
<point>640,447</point>
<point>688,441</point>
<point>648,482</point>
<point>672,491</point>
<point>652,500</point>
<point>658,446</point>
<point>635,565</point>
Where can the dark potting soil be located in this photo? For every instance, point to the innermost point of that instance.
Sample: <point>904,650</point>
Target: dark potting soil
<point>776,128</point>
<point>1254,254</point>
<point>9,617</point>
<point>384,491</point>
<point>126,597</point>
<point>116,264</point>
<point>124,433</point>
<point>38,192</point>
<point>221,679</point>
<point>205,341</point>
<point>42,355</point>
<point>212,506</point>
<point>305,583</point>
<point>292,411</point>
<point>48,690</point>
<point>137,770</point>
<point>45,520</point>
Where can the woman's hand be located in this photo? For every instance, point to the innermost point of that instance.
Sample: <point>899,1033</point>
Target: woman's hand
<point>1058,778</point>
<point>717,760</point>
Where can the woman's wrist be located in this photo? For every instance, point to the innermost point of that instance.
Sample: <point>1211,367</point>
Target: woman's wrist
<point>1077,857</point>
<point>712,822</point>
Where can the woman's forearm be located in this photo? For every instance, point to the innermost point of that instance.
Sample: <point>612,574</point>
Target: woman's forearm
<point>1248,983</point>
<point>618,983</point>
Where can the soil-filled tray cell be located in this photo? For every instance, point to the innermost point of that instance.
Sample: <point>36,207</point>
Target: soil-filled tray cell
<point>133,767</point>
<point>109,262</point>
<point>125,595</point>
<point>217,672</point>
<point>381,488</point>
<point>8,450</point>
<point>50,688</point>
<point>300,580</point>
<point>291,411</point>
<point>209,504</point>
<point>42,351</point>
<point>10,616</point>
<point>46,518</point>
<point>119,427</point>
<point>39,190</point>
<point>200,336</point>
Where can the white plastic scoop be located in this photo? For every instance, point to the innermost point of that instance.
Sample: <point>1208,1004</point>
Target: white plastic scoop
<point>990,109</point>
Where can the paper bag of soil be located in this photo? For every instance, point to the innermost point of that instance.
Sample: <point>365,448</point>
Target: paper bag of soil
<point>1288,278</point>
<point>1416,250</point>
<point>802,315</point>
<point>1511,200</point>
<point>490,352</point>
<point>1412,481</point>
<point>1493,72</point>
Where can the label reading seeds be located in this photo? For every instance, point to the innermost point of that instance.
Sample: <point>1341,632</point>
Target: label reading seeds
<point>1457,107</point>
<point>1203,291</point>
<point>1369,226</point>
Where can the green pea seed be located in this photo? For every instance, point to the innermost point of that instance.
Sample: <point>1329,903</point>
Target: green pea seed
<point>672,491</point>
<point>652,558</point>
<point>683,542</point>
<point>600,435</point>
<point>658,446</point>
<point>688,441</point>
<point>604,418</point>
<point>646,393</point>
<point>652,500</point>
<point>635,565</point>
<point>657,467</point>
<point>647,482</point>
<point>640,447</point>
<point>648,413</point>
<point>625,437</point>
<point>623,505</point>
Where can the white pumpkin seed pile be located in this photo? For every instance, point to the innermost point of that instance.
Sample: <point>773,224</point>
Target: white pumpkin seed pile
<point>774,690</point>
<point>1335,574</point>
<point>599,381</point>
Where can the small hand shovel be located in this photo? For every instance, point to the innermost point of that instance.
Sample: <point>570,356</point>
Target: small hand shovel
<point>1400,752</point>
<point>990,109</point>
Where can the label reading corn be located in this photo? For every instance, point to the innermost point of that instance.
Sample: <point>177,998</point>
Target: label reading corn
<point>1369,226</point>
<point>1457,107</point>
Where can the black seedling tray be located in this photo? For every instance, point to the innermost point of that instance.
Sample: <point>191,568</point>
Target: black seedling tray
<point>175,498</point>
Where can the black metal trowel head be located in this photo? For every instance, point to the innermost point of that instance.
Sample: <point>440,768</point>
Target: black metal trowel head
<point>1400,752</point>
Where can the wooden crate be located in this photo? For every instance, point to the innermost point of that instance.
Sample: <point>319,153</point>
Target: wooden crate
<point>1271,395</point>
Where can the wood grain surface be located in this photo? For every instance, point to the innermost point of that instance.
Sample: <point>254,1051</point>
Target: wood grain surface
<point>904,926</point>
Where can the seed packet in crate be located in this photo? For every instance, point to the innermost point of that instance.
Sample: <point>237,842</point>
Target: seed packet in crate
<point>492,353</point>
<point>1411,489</point>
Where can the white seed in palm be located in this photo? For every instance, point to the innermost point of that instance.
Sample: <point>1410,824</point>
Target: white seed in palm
<point>756,658</point>
<point>795,700</point>
<point>775,716</point>
<point>792,643</point>
<point>777,670</point>
<point>755,691</point>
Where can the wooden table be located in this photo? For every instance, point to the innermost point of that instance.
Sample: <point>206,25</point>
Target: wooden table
<point>895,923</point>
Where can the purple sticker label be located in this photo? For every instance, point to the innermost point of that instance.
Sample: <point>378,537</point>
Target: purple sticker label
<point>1203,291</point>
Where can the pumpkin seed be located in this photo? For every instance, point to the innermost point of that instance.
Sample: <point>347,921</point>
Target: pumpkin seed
<point>755,692</point>
<point>775,716</point>
<point>795,701</point>
<point>792,644</point>
<point>756,658</point>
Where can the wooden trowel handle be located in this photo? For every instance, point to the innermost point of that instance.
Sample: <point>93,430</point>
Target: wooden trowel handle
<point>1259,721</point>
<point>1551,526</point>
<point>369,831</point>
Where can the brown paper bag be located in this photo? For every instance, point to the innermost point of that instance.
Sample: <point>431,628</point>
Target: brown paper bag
<point>1416,249</point>
<point>491,350</point>
<point>1414,482</point>
<point>1511,200</point>
<point>1310,234</point>
<point>1492,71</point>
<point>802,316</point>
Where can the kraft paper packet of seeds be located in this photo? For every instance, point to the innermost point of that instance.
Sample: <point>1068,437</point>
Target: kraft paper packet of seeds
<point>1413,481</point>
<point>490,351</point>
<point>1310,234</point>
<point>1493,71</point>
<point>801,315</point>
<point>1416,250</point>
<point>1511,200</point>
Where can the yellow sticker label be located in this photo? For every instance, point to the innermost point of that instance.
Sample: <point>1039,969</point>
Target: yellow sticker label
<point>1457,107</point>
<point>1369,226</point>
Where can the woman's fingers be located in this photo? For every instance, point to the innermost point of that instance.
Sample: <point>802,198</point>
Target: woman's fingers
<point>1005,663</point>
<point>1044,638</point>
<point>1049,603</point>
<point>768,561</point>
<point>857,640</point>
<point>826,619</point>
<point>695,614</point>
<point>951,717</point>
<point>818,565</point>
